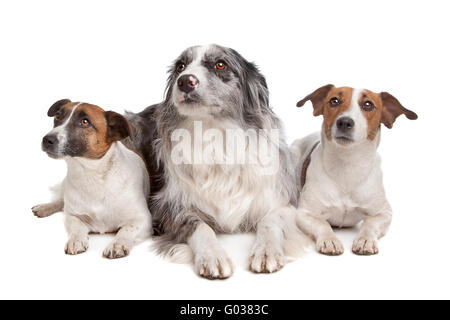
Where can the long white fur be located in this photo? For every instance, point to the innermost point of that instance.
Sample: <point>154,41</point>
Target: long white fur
<point>343,187</point>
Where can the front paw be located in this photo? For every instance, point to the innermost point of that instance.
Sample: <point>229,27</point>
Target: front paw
<point>365,246</point>
<point>76,245</point>
<point>213,264</point>
<point>267,259</point>
<point>116,250</point>
<point>43,210</point>
<point>330,246</point>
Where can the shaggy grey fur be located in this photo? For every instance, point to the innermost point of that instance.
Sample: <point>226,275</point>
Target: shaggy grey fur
<point>240,95</point>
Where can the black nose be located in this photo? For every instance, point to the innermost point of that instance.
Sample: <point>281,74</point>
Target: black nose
<point>187,83</point>
<point>49,140</point>
<point>345,124</point>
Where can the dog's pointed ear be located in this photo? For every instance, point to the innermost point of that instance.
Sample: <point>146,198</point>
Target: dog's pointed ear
<point>56,107</point>
<point>316,99</point>
<point>392,108</point>
<point>118,127</point>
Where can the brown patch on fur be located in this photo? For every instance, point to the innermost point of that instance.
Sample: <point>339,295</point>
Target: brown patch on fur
<point>94,136</point>
<point>118,127</point>
<point>386,109</point>
<point>317,99</point>
<point>321,103</point>
<point>330,113</point>
<point>392,108</point>
<point>90,130</point>
<point>373,116</point>
<point>104,129</point>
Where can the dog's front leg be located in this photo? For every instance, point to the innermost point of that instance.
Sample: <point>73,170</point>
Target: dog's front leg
<point>267,253</point>
<point>127,236</point>
<point>372,229</point>
<point>56,205</point>
<point>78,235</point>
<point>47,209</point>
<point>210,259</point>
<point>326,241</point>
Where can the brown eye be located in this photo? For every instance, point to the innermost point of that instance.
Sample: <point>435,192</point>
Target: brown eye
<point>85,123</point>
<point>181,67</point>
<point>368,106</point>
<point>57,117</point>
<point>220,65</point>
<point>334,102</point>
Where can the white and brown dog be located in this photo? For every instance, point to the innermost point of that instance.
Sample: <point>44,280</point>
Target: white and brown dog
<point>107,184</point>
<point>339,170</point>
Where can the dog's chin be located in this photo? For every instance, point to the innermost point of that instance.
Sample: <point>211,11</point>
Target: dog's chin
<point>54,155</point>
<point>192,107</point>
<point>187,99</point>
<point>189,108</point>
<point>188,103</point>
<point>343,140</point>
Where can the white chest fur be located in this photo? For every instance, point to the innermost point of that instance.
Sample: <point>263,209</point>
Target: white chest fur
<point>344,187</point>
<point>107,192</point>
<point>230,193</point>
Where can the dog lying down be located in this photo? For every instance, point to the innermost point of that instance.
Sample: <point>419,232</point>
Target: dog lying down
<point>106,186</point>
<point>340,169</point>
<point>217,89</point>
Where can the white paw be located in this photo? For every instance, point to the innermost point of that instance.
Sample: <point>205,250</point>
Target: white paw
<point>76,245</point>
<point>330,246</point>
<point>116,250</point>
<point>267,259</point>
<point>43,210</point>
<point>365,246</point>
<point>213,264</point>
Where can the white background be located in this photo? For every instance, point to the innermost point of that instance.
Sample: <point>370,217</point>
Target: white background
<point>115,54</point>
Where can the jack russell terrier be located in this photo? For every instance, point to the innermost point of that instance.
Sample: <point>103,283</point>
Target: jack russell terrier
<point>339,170</point>
<point>107,184</point>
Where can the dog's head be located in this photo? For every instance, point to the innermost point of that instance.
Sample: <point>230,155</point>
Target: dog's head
<point>351,115</point>
<point>83,130</point>
<point>208,80</point>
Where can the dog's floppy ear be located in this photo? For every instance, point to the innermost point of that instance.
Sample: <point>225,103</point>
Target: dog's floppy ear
<point>316,99</point>
<point>118,127</point>
<point>392,108</point>
<point>56,106</point>
<point>256,94</point>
